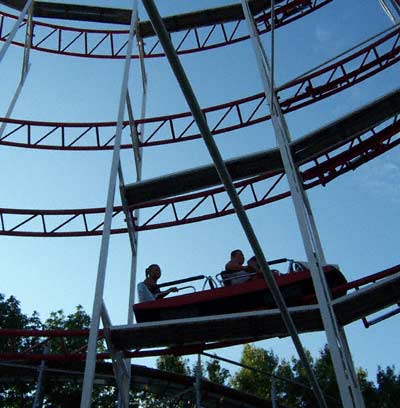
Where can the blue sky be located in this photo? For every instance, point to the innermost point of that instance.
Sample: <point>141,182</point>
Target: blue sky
<point>357,214</point>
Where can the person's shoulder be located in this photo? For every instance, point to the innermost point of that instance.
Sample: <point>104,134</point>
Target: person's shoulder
<point>231,264</point>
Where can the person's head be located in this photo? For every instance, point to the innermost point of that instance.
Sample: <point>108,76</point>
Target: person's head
<point>237,255</point>
<point>153,271</point>
<point>252,262</point>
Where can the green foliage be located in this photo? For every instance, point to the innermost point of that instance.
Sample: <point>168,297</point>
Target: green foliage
<point>256,382</point>
<point>11,317</point>
<point>388,390</point>
<point>74,321</point>
<point>173,364</point>
<point>291,375</point>
<point>385,393</point>
<point>216,373</point>
<point>19,393</point>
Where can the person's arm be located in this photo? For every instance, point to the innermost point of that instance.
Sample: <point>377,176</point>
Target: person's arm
<point>236,267</point>
<point>164,293</point>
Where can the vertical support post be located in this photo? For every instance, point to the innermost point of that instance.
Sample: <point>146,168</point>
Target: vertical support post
<point>226,179</point>
<point>136,139</point>
<point>273,392</point>
<point>396,7</point>
<point>120,372</point>
<point>25,68</point>
<point>395,17</point>
<point>38,400</point>
<point>353,373</point>
<point>198,382</point>
<point>349,391</point>
<point>90,364</point>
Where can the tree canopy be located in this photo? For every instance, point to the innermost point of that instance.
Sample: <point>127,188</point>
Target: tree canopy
<point>261,371</point>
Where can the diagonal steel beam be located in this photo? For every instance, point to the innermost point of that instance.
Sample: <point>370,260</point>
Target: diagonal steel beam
<point>223,173</point>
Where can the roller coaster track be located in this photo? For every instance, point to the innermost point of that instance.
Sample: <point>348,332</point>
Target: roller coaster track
<point>70,345</point>
<point>158,382</point>
<point>322,83</point>
<point>323,155</point>
<point>191,32</point>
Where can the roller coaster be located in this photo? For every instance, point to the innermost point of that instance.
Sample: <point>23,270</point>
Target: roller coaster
<point>179,198</point>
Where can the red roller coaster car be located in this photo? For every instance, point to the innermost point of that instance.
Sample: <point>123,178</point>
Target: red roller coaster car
<point>296,287</point>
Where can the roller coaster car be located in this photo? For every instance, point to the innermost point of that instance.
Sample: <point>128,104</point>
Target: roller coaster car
<point>296,287</point>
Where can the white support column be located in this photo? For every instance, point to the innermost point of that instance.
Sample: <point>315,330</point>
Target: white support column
<point>198,382</point>
<point>136,139</point>
<point>122,377</point>
<point>350,393</point>
<point>396,6</point>
<point>13,102</point>
<point>273,392</point>
<point>24,70</point>
<point>15,28</point>
<point>90,365</point>
<point>38,400</point>
<point>394,16</point>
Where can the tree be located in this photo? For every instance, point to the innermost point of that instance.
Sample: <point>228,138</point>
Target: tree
<point>295,392</point>
<point>11,317</point>
<point>258,381</point>
<point>173,364</point>
<point>18,393</point>
<point>291,382</point>
<point>216,373</point>
<point>68,392</point>
<point>388,392</point>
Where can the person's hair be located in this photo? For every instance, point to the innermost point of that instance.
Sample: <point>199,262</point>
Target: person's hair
<point>235,252</point>
<point>148,269</point>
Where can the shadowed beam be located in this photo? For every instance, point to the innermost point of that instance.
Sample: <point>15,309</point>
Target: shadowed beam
<point>175,23</point>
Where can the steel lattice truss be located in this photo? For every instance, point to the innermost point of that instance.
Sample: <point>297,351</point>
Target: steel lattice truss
<point>71,345</point>
<point>112,43</point>
<point>208,204</point>
<point>322,83</point>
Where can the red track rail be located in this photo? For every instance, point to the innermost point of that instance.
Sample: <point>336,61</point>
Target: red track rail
<point>112,44</point>
<point>37,339</point>
<point>338,76</point>
<point>209,204</point>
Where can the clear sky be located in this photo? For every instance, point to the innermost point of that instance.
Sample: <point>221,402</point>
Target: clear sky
<point>357,214</point>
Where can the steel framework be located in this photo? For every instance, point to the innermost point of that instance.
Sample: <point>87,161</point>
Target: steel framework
<point>321,83</point>
<point>211,203</point>
<point>191,33</point>
<point>212,31</point>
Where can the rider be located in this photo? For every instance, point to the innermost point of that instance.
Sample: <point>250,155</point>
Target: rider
<point>235,272</point>
<point>148,289</point>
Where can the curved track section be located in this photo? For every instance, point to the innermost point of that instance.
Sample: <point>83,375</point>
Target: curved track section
<point>158,382</point>
<point>371,294</point>
<point>322,83</point>
<point>191,32</point>
<point>323,155</point>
